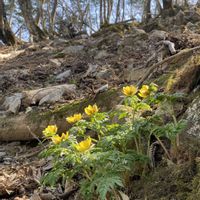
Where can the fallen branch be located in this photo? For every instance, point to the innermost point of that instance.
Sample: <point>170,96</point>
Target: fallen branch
<point>170,45</point>
<point>169,59</point>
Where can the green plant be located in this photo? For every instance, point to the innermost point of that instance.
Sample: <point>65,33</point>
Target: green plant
<point>102,148</point>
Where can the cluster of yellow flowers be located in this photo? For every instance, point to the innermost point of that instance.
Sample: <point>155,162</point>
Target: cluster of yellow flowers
<point>51,130</point>
<point>144,92</point>
<point>90,110</point>
<point>82,146</point>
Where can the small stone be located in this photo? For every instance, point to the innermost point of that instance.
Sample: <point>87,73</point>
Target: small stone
<point>101,54</point>
<point>73,49</point>
<point>56,62</point>
<point>2,154</point>
<point>64,75</point>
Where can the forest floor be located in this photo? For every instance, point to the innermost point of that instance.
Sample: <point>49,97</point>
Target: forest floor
<point>116,55</point>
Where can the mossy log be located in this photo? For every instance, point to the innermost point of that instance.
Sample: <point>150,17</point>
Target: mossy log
<point>27,126</point>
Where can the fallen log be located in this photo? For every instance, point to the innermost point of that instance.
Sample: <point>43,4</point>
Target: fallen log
<point>27,126</point>
<point>167,60</point>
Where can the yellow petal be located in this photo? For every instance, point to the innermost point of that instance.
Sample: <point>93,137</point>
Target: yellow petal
<point>56,139</point>
<point>84,145</point>
<point>65,137</point>
<point>90,110</point>
<point>70,119</point>
<point>129,90</point>
<point>144,91</point>
<point>74,118</point>
<point>50,130</point>
<point>78,116</point>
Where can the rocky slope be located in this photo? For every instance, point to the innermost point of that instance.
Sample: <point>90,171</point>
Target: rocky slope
<point>43,83</point>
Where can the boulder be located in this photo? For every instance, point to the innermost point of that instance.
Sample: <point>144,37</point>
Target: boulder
<point>193,117</point>
<point>48,95</point>
<point>158,35</point>
<point>12,103</point>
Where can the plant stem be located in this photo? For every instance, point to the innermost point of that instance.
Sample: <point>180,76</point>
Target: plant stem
<point>163,146</point>
<point>177,137</point>
<point>87,175</point>
<point>136,144</point>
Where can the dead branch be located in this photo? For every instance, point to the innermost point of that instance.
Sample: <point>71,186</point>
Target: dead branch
<point>169,59</point>
<point>170,45</point>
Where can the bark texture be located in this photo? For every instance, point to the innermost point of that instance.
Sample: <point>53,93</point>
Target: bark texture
<point>34,29</point>
<point>6,34</point>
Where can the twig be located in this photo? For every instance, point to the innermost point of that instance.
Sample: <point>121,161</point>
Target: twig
<point>34,136</point>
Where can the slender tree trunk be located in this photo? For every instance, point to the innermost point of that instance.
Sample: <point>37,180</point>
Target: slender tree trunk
<point>40,12</point>
<point>123,9</point>
<point>101,12</point>
<point>104,12</point>
<point>11,8</point>
<point>146,11</point>
<point>109,9</point>
<point>198,3</point>
<point>118,11</point>
<point>186,4</point>
<point>158,6</point>
<point>53,15</point>
<point>34,29</point>
<point>6,34</point>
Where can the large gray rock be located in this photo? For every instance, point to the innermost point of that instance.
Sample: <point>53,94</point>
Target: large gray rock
<point>157,35</point>
<point>193,117</point>
<point>48,95</point>
<point>12,104</point>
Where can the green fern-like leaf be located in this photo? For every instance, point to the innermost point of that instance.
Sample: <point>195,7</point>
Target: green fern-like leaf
<point>107,183</point>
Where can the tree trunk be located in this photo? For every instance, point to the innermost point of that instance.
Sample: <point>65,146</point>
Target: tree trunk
<point>109,9</point>
<point>123,9</point>
<point>33,28</point>
<point>101,12</point>
<point>198,3</point>
<point>104,11</point>
<point>158,6</point>
<point>6,34</point>
<point>53,15</point>
<point>118,11</point>
<point>146,11</point>
<point>167,4</point>
<point>11,8</point>
<point>40,12</point>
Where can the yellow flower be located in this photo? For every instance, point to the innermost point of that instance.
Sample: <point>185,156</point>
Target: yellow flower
<point>50,130</point>
<point>84,145</point>
<point>56,139</point>
<point>65,137</point>
<point>90,110</point>
<point>74,118</point>
<point>129,90</point>
<point>144,91</point>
